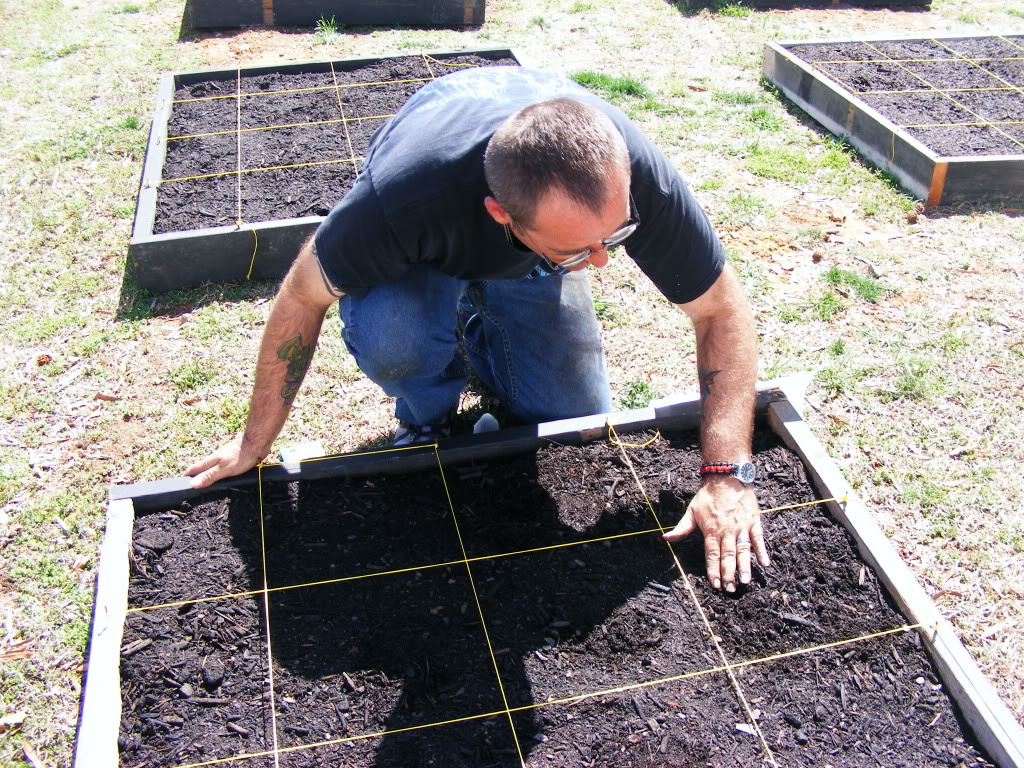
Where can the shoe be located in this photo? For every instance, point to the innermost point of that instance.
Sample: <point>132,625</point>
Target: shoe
<point>486,423</point>
<point>419,434</point>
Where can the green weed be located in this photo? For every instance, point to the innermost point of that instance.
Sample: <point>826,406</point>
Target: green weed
<point>191,376</point>
<point>326,30</point>
<point>1016,12</point>
<point>827,306</point>
<point>638,394</point>
<point>837,348</point>
<point>580,7</point>
<point>612,86</point>
<point>778,163</point>
<point>538,21</point>
<point>915,381</point>
<point>765,119</point>
<point>867,288</point>
<point>737,98</point>
<point>708,185</point>
<point>128,9</point>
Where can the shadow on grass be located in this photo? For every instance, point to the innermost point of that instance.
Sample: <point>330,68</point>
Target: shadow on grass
<point>745,7</point>
<point>137,303</point>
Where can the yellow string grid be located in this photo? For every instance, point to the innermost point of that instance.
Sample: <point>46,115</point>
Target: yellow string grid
<point>946,92</point>
<point>726,667</point>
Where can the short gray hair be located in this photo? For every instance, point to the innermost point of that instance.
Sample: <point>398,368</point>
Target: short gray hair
<point>561,144</point>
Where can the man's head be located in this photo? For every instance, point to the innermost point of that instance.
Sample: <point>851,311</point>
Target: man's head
<point>559,172</point>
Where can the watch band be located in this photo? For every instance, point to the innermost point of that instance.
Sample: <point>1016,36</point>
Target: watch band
<point>744,472</point>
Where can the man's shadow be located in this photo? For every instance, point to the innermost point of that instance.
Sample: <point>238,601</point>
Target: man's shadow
<point>407,647</point>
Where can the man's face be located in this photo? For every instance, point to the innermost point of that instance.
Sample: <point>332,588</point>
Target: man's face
<point>561,229</point>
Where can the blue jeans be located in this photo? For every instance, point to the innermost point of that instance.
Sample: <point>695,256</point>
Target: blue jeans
<point>535,343</point>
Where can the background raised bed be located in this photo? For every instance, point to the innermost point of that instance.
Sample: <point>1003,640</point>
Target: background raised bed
<point>242,165</point>
<point>945,115</point>
<point>533,613</point>
<point>245,13</point>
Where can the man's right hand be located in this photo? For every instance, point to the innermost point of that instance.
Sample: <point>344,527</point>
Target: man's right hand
<point>228,460</point>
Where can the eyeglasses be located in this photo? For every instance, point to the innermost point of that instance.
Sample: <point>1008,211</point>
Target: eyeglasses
<point>615,238</point>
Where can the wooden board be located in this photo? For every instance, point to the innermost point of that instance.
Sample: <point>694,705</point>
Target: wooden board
<point>306,13</point>
<point>778,402</point>
<point>929,177</point>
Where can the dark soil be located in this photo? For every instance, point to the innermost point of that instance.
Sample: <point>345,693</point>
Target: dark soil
<point>377,624</point>
<point>287,119</point>
<point>900,80</point>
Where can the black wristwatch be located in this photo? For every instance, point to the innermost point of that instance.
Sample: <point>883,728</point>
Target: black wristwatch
<point>744,472</point>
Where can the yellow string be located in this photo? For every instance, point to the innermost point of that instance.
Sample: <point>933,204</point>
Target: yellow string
<point>479,608</point>
<point>278,127</point>
<point>563,701</point>
<point>308,90</point>
<point>266,613</point>
<point>255,170</point>
<point>614,439</point>
<point>704,618</point>
<point>446,63</point>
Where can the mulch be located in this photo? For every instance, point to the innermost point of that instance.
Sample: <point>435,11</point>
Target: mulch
<point>379,623</point>
<point>288,120</point>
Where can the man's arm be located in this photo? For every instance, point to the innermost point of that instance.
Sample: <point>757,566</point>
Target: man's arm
<point>724,508</point>
<point>285,353</point>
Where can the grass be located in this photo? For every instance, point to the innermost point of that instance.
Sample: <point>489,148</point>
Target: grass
<point>907,372</point>
<point>638,394</point>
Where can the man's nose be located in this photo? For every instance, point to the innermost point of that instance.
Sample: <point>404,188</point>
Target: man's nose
<point>598,257</point>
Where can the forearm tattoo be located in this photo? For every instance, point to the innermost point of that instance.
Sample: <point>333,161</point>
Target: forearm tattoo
<point>706,377</point>
<point>298,358</point>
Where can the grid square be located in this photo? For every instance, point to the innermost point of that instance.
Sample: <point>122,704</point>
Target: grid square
<point>689,722</point>
<point>808,720</point>
<point>546,499</point>
<point>175,555</point>
<point>992,105</point>
<point>267,82</point>
<point>378,654</point>
<point>262,110</point>
<point>902,50</point>
<point>472,744</point>
<point>840,52</point>
<point>201,155</point>
<point>792,606</point>
<point>293,146</point>
<point>919,108</point>
<point>291,193</point>
<point>361,131</point>
<point>859,77</point>
<point>967,140</point>
<point>376,101</point>
<point>983,47</point>
<point>407,68</point>
<point>579,609</point>
<point>212,201</point>
<point>206,664</point>
<point>952,74</point>
<point>342,529</point>
<point>203,108</point>
<point>1009,70</point>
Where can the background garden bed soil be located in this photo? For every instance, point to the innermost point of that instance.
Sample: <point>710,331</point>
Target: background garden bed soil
<point>286,119</point>
<point>934,89</point>
<point>375,626</point>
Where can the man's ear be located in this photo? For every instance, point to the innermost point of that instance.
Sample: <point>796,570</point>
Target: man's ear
<point>497,212</point>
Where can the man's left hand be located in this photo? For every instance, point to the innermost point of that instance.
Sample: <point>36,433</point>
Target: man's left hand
<point>728,514</point>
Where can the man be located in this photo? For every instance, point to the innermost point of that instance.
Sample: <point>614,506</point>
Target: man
<point>476,212</point>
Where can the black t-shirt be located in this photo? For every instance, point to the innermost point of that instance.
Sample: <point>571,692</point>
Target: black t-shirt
<point>419,198</point>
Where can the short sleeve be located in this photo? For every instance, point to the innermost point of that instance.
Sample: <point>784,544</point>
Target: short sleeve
<point>355,244</point>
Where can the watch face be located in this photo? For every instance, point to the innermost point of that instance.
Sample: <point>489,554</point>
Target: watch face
<point>746,473</point>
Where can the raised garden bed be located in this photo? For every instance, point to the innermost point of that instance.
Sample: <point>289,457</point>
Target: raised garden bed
<point>945,115</point>
<point>511,603</point>
<point>243,165</point>
<point>306,13</point>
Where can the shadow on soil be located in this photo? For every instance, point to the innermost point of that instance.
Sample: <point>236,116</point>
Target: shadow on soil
<point>403,649</point>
